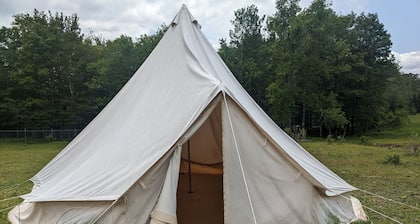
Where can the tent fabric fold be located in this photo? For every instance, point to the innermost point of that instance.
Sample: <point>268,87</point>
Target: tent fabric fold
<point>165,210</point>
<point>128,158</point>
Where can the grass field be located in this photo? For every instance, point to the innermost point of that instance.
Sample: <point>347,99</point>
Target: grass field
<point>18,163</point>
<point>364,166</point>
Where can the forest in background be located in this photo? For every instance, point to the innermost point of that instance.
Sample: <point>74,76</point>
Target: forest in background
<point>312,70</point>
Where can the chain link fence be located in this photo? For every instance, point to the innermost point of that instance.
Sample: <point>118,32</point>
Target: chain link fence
<point>38,135</point>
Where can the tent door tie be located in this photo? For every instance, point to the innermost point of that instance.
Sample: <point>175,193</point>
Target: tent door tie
<point>142,185</point>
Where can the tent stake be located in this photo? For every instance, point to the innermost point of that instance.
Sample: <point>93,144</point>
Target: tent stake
<point>189,169</point>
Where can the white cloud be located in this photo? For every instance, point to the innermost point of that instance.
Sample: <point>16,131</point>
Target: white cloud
<point>110,19</point>
<point>410,62</point>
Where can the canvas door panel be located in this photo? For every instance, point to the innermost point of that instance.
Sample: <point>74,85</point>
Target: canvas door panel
<point>278,193</point>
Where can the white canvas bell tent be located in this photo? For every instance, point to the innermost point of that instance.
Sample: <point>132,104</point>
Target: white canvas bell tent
<point>183,123</point>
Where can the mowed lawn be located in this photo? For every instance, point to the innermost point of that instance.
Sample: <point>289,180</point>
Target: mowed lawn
<point>18,163</point>
<point>366,167</point>
<point>362,165</point>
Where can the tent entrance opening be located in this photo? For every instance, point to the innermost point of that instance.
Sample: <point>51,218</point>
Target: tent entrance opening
<point>200,184</point>
<point>205,203</point>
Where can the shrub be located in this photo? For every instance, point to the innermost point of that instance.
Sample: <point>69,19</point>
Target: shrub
<point>394,159</point>
<point>400,118</point>
<point>364,139</point>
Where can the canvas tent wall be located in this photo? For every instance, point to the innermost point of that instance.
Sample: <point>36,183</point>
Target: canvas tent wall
<point>124,166</point>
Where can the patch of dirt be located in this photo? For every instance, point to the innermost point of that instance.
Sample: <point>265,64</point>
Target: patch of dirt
<point>389,146</point>
<point>413,149</point>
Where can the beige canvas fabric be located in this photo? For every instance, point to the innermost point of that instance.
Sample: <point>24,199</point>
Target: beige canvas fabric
<point>124,166</point>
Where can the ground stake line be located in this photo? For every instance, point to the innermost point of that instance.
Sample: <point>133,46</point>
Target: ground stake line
<point>389,199</point>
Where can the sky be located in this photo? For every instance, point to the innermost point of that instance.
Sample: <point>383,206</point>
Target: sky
<point>110,18</point>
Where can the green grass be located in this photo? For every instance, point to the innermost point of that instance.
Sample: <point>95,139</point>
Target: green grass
<point>19,162</point>
<point>363,166</point>
<point>408,134</point>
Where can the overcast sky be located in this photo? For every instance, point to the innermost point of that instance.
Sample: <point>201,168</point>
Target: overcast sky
<point>111,18</point>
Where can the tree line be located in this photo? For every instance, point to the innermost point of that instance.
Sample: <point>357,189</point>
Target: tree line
<point>52,76</point>
<point>316,71</point>
<point>311,69</point>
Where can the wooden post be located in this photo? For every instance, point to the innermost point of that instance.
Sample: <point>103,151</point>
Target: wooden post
<point>189,168</point>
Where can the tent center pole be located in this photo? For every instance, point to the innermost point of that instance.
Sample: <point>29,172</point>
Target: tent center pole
<point>189,168</point>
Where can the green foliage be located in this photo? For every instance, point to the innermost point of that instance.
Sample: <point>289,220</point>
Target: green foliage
<point>403,93</point>
<point>54,77</point>
<point>398,118</point>
<point>310,67</point>
<point>394,159</point>
<point>42,54</point>
<point>320,69</point>
<point>364,140</point>
<point>331,115</point>
<point>246,53</point>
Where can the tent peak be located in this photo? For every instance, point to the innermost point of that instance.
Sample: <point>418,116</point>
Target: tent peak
<point>184,13</point>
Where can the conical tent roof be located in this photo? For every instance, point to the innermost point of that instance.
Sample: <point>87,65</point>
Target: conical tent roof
<point>148,116</point>
<point>124,166</point>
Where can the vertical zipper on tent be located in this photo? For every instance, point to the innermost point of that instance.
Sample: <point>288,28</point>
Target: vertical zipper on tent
<point>240,160</point>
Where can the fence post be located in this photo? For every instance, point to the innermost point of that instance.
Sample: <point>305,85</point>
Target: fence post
<point>52,134</point>
<point>25,134</point>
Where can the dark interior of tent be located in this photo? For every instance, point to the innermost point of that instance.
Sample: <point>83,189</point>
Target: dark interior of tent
<point>200,185</point>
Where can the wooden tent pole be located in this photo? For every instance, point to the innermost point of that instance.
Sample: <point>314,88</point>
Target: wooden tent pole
<point>189,168</point>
